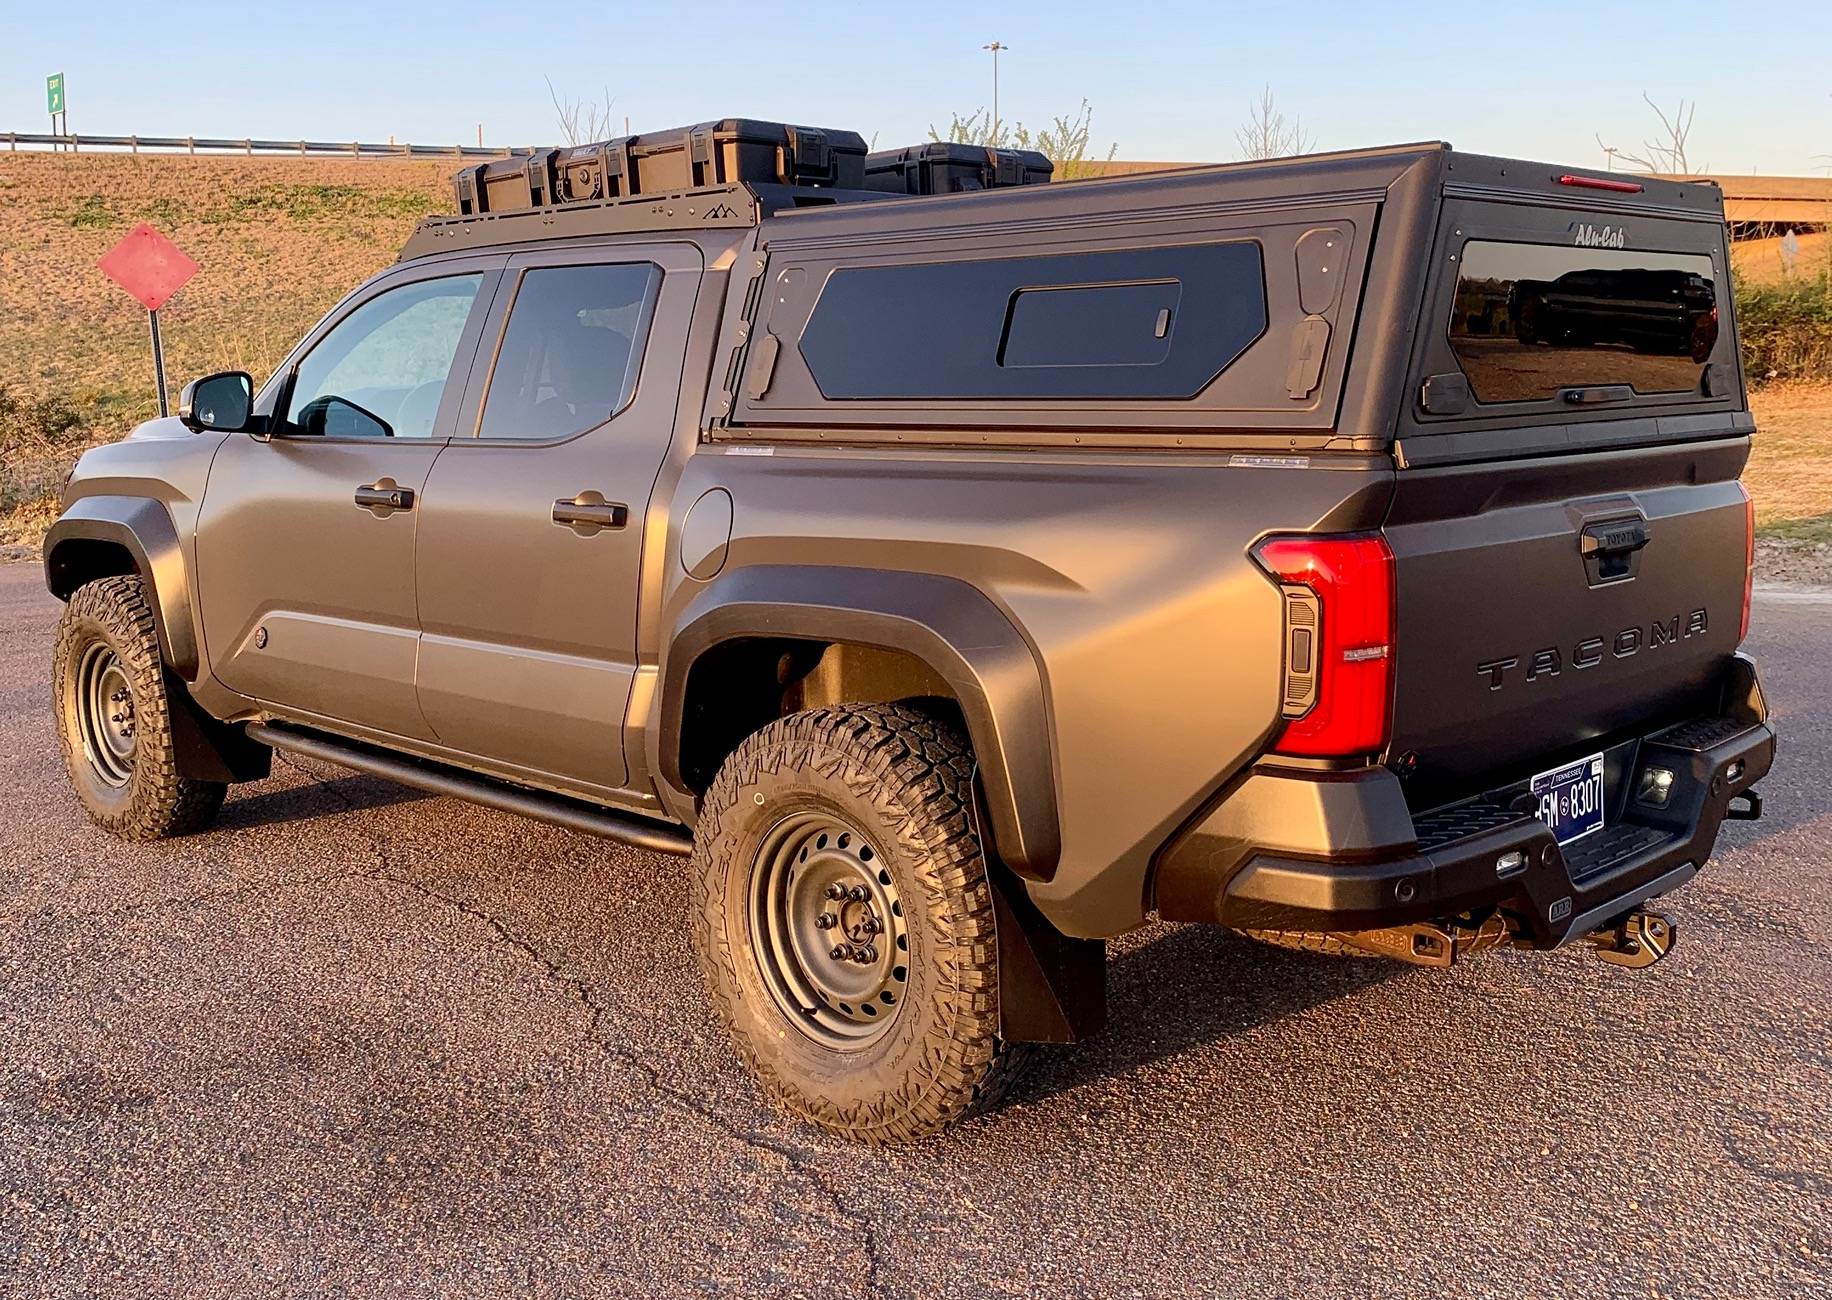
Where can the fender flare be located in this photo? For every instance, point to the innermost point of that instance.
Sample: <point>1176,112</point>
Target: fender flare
<point>143,527</point>
<point>948,624</point>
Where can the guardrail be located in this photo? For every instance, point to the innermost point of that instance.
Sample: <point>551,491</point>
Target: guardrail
<point>303,148</point>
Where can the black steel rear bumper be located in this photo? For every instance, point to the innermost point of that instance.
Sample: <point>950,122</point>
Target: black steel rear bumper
<point>1288,850</point>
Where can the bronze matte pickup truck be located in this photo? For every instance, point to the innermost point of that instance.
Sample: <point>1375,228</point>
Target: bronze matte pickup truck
<point>965,577</point>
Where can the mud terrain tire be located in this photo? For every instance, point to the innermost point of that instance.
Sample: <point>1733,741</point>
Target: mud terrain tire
<point>877,796</point>
<point>114,721</point>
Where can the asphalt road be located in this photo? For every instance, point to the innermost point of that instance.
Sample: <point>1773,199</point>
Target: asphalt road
<point>356,1042</point>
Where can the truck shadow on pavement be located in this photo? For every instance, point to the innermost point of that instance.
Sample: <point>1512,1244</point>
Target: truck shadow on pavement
<point>1194,986</point>
<point>319,797</point>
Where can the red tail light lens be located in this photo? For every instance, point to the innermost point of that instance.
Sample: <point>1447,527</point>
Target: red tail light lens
<point>1749,558</point>
<point>1338,642</point>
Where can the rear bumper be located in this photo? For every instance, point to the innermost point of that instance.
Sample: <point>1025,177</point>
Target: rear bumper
<point>1323,852</point>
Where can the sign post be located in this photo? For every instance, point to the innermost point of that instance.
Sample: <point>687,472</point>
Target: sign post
<point>55,103</point>
<point>152,324</point>
<point>151,268</point>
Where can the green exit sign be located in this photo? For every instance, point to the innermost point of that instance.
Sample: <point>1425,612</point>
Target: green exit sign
<point>54,93</point>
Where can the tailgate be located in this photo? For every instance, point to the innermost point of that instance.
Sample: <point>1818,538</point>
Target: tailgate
<point>1543,606</point>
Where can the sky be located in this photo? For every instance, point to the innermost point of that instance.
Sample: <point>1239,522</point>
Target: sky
<point>1167,81</point>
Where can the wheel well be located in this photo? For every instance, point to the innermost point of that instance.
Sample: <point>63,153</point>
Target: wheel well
<point>739,687</point>
<point>78,561</point>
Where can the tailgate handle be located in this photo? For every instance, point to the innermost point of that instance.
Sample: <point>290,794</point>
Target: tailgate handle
<point>1609,549</point>
<point>1622,537</point>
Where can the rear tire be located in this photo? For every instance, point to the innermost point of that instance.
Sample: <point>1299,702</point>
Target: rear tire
<point>848,830</point>
<point>114,720</point>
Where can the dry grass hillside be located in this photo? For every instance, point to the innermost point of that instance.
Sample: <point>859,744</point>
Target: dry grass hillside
<point>279,241</point>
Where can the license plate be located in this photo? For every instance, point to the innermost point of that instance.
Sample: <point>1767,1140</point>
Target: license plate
<point>1571,798</point>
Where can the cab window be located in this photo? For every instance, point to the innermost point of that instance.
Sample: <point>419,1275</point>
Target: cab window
<point>571,351</point>
<point>381,371</point>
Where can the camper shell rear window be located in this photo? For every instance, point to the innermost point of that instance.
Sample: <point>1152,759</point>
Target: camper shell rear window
<point>1532,320</point>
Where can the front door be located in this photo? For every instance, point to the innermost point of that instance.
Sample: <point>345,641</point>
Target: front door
<point>305,542</point>
<point>531,539</point>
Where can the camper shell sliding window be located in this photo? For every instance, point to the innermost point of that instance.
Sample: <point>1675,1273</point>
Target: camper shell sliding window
<point>1141,323</point>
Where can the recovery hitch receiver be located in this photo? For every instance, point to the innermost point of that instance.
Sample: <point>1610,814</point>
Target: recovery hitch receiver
<point>1636,940</point>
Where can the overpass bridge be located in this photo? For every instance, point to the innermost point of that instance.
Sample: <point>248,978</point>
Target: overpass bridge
<point>1756,207</point>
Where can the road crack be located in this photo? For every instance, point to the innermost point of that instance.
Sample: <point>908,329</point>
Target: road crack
<point>798,1159</point>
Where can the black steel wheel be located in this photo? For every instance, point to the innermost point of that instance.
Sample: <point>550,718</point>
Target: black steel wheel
<point>104,714</point>
<point>114,717</point>
<point>844,921</point>
<point>828,929</point>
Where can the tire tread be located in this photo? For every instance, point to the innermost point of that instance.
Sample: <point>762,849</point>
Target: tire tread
<point>916,767</point>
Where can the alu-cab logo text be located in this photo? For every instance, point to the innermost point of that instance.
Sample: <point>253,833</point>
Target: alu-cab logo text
<point>1586,235</point>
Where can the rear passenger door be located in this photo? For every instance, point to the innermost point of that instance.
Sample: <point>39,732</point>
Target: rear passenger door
<point>531,537</point>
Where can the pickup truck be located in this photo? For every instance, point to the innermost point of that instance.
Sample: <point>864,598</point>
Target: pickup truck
<point>958,580</point>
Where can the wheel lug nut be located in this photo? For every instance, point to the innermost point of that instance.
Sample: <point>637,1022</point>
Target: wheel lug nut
<point>856,893</point>
<point>826,920</point>
<point>836,891</point>
<point>841,951</point>
<point>872,925</point>
<point>866,955</point>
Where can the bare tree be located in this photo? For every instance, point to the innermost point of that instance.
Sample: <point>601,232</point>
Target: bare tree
<point>1267,134</point>
<point>1067,141</point>
<point>583,121</point>
<point>1666,153</point>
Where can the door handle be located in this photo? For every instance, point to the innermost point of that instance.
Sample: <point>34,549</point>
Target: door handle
<point>383,497</point>
<point>588,512</point>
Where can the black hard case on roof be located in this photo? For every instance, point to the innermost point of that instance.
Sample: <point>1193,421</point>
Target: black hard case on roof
<point>739,149</point>
<point>661,162</point>
<point>942,168</point>
<point>507,184</point>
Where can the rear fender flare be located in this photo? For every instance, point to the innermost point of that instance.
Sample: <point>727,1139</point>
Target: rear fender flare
<point>947,624</point>
<point>143,528</point>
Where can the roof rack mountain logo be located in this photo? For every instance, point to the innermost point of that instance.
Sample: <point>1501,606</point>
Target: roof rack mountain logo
<point>1585,235</point>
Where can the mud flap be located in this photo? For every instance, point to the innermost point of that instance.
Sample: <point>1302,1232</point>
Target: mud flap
<point>1052,989</point>
<point>208,750</point>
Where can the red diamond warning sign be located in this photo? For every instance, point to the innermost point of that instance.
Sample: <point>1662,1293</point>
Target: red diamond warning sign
<point>148,265</point>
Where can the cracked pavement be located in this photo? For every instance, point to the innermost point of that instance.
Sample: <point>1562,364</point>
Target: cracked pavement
<point>356,1041</point>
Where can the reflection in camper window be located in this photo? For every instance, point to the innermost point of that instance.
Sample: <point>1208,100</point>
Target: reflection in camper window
<point>1533,319</point>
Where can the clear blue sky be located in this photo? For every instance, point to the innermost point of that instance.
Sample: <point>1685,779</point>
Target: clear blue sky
<point>1168,80</point>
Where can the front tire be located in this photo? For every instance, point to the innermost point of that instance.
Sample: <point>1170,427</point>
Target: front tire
<point>844,922</point>
<point>114,719</point>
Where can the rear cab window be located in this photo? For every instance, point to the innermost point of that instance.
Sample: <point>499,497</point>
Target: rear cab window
<point>571,350</point>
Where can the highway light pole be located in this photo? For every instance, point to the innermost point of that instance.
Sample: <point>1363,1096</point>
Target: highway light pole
<point>998,130</point>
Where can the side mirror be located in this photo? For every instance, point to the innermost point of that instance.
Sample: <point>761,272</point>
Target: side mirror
<point>220,403</point>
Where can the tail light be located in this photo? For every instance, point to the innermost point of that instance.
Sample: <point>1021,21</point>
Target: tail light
<point>1749,558</point>
<point>1598,183</point>
<point>1338,642</point>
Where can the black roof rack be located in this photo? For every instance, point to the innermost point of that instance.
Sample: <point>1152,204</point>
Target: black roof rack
<point>736,206</point>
